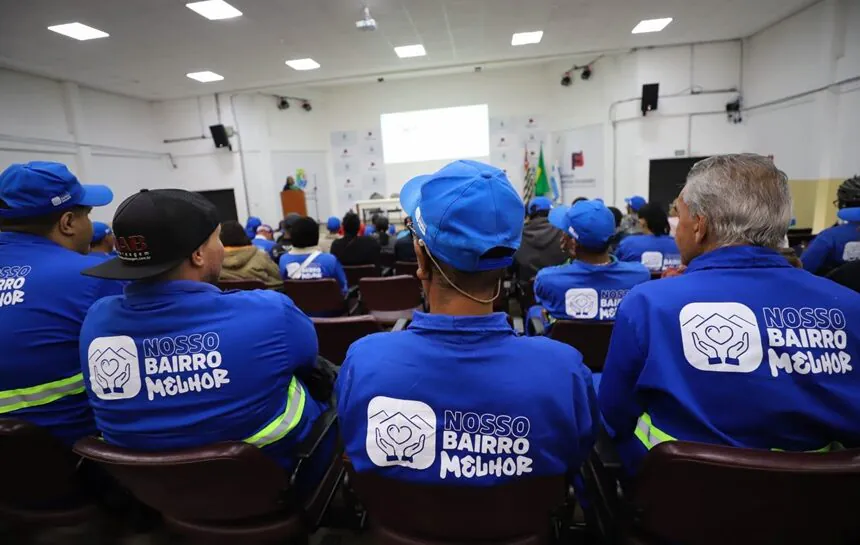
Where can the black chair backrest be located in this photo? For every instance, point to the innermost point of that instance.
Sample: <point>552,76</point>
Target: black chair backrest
<point>590,338</point>
<point>656,275</point>
<point>527,294</point>
<point>336,334</point>
<point>402,292</point>
<point>386,260</point>
<point>220,482</point>
<point>708,495</point>
<point>354,273</point>
<point>406,267</point>
<point>241,285</point>
<point>321,296</point>
<point>403,513</point>
<point>36,470</point>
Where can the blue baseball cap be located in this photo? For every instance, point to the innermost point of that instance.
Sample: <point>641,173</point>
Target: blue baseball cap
<point>369,230</point>
<point>539,203</point>
<point>391,229</point>
<point>851,215</point>
<point>40,187</point>
<point>100,231</point>
<point>333,224</point>
<point>464,210</point>
<point>636,202</point>
<point>590,223</point>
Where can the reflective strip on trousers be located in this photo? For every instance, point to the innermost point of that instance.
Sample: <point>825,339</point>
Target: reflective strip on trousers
<point>34,396</point>
<point>284,423</point>
<point>649,434</point>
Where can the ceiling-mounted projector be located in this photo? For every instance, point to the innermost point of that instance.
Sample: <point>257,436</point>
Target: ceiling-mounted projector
<point>367,22</point>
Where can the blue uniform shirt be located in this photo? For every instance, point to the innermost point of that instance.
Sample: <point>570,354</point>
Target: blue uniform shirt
<point>461,400</point>
<point>580,291</point>
<point>832,248</point>
<point>43,301</point>
<point>324,266</point>
<point>180,364</point>
<point>657,252</point>
<point>264,244</point>
<point>741,350</point>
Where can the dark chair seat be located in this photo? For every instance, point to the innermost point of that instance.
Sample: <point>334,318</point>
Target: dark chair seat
<point>354,273</point>
<point>337,334</point>
<point>241,285</point>
<point>590,338</point>
<point>40,482</point>
<point>406,267</point>
<point>317,297</point>
<point>391,298</point>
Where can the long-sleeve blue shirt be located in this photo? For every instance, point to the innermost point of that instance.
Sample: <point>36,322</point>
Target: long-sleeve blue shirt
<point>656,252</point>
<point>832,248</point>
<point>323,266</point>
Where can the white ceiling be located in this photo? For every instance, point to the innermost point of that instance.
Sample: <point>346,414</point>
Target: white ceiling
<point>154,43</point>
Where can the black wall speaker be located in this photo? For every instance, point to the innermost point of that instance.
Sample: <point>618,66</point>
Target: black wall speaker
<point>219,136</point>
<point>649,97</point>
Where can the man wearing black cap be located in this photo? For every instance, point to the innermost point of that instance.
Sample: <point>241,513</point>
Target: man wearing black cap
<point>44,216</point>
<point>177,363</point>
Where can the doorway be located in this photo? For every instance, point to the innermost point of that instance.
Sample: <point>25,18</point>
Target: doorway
<point>666,178</point>
<point>225,201</point>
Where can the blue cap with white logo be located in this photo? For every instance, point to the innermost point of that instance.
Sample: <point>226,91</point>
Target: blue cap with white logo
<point>539,203</point>
<point>39,188</point>
<point>851,215</point>
<point>636,202</point>
<point>100,231</point>
<point>333,223</point>
<point>369,230</point>
<point>463,211</point>
<point>590,223</point>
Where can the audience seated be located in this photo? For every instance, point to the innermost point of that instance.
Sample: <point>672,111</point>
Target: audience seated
<point>630,222</point>
<point>102,243</point>
<point>332,227</point>
<point>243,260</point>
<point>386,241</point>
<point>175,362</point>
<point>264,239</point>
<point>355,249</point>
<point>541,245</point>
<point>285,228</point>
<point>251,226</point>
<point>594,283</point>
<point>44,216</point>
<point>404,246</point>
<point>841,243</point>
<point>654,248</point>
<point>453,399</point>
<point>742,349</point>
<point>305,260</point>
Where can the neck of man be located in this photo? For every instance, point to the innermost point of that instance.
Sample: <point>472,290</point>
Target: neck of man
<point>66,242</point>
<point>602,258</point>
<point>444,299</point>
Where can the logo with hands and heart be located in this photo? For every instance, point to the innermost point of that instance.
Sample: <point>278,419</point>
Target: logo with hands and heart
<point>400,432</point>
<point>114,367</point>
<point>722,337</point>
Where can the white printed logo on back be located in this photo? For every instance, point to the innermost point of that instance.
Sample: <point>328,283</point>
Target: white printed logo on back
<point>114,367</point>
<point>721,337</point>
<point>652,260</point>
<point>401,432</point>
<point>851,252</point>
<point>581,303</point>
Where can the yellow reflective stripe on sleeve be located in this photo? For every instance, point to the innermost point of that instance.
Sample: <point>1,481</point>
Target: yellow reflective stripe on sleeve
<point>284,423</point>
<point>832,447</point>
<point>649,434</point>
<point>34,396</point>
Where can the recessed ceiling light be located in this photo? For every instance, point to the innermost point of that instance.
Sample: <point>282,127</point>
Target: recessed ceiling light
<point>525,38</point>
<point>214,9</point>
<point>205,76</point>
<point>79,31</point>
<point>406,51</point>
<point>651,25</point>
<point>303,64</point>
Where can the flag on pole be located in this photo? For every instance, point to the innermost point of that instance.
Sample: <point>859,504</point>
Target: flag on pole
<point>541,183</point>
<point>553,182</point>
<point>528,179</point>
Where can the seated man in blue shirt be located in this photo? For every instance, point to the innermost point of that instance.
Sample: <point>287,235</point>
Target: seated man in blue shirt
<point>44,216</point>
<point>654,247</point>
<point>458,398</point>
<point>593,284</point>
<point>305,260</point>
<point>175,362</point>
<point>264,239</point>
<point>102,243</point>
<point>841,243</point>
<point>742,349</point>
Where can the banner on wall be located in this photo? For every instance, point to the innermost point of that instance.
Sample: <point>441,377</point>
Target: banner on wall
<point>357,159</point>
<point>509,136</point>
<point>578,154</point>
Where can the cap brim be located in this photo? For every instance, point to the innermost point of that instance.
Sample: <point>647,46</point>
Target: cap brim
<point>96,195</point>
<point>849,214</point>
<point>410,195</point>
<point>558,217</point>
<point>117,269</point>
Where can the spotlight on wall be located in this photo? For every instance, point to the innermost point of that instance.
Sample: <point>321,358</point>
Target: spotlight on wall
<point>566,80</point>
<point>306,106</point>
<point>283,103</point>
<point>586,72</point>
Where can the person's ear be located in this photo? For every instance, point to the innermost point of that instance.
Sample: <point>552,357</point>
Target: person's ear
<point>700,229</point>
<point>197,259</point>
<point>423,272</point>
<point>68,224</point>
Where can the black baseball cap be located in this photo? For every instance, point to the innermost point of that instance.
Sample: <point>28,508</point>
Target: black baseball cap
<point>155,231</point>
